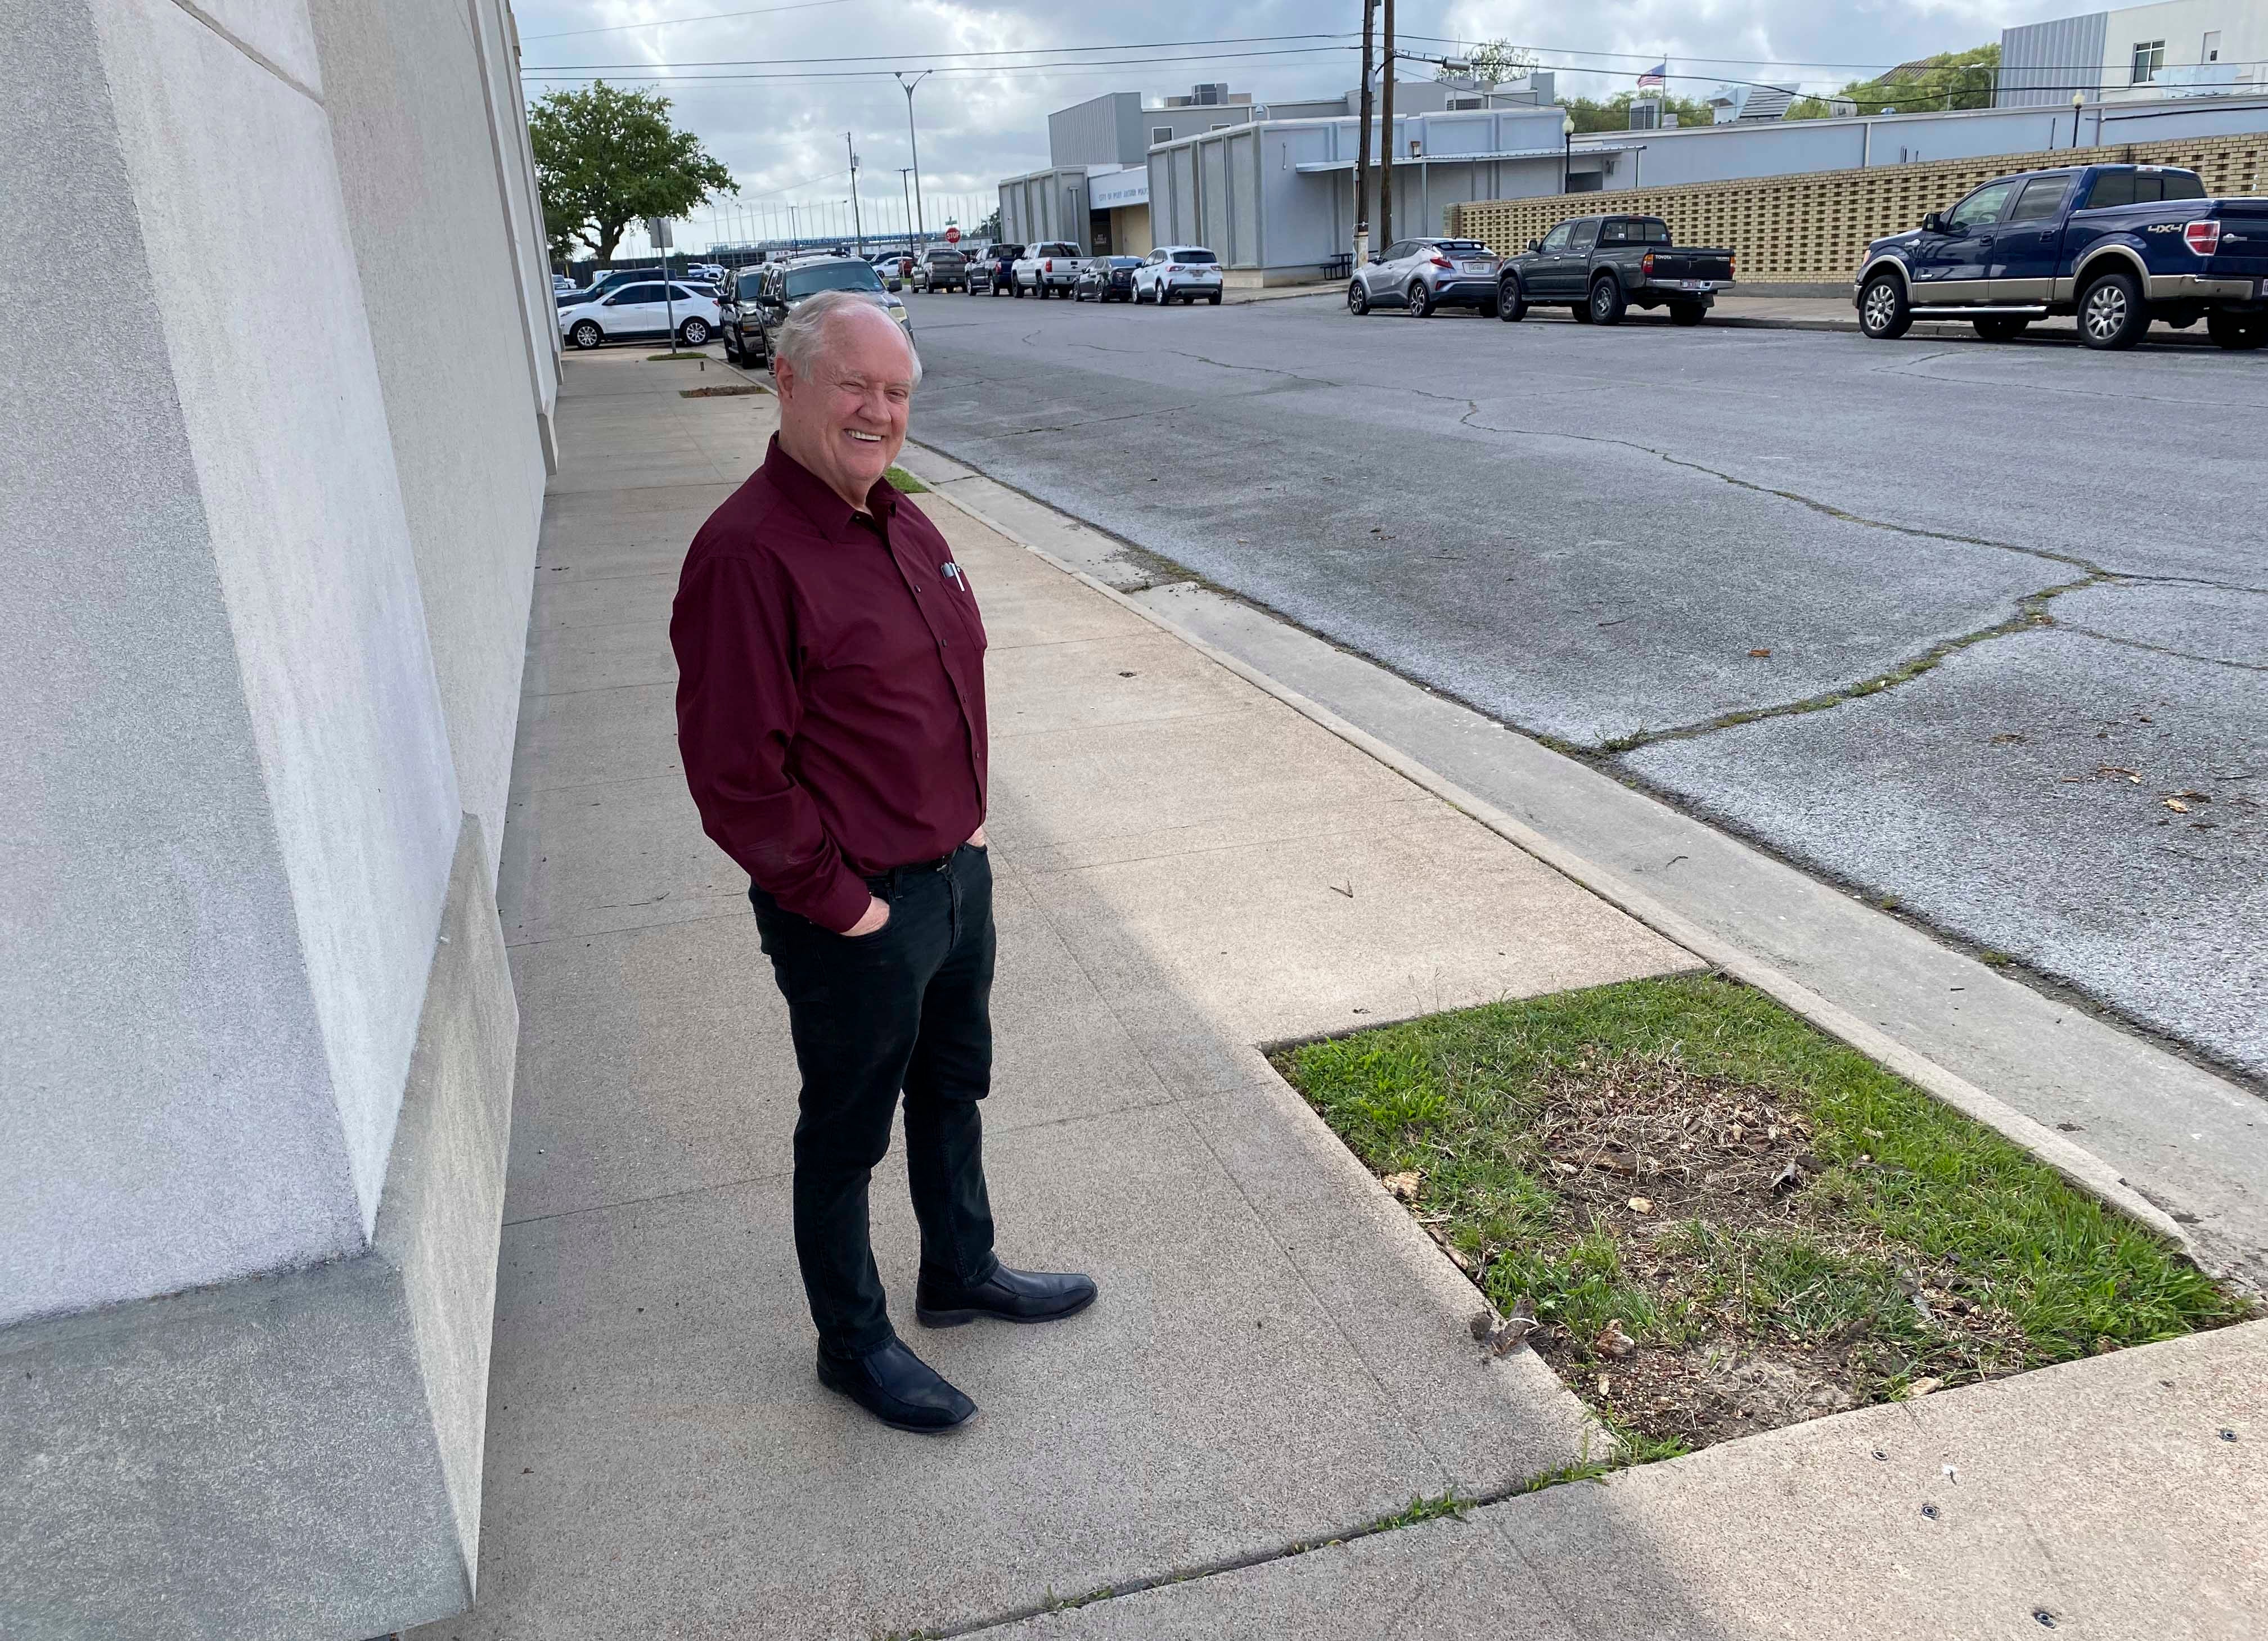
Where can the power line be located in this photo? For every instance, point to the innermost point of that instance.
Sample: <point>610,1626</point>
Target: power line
<point>704,17</point>
<point>576,76</point>
<point>901,58</point>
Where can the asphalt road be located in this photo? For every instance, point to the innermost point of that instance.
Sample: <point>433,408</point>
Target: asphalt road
<point>1589,534</point>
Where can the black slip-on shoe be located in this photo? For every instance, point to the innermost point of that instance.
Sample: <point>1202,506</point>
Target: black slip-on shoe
<point>897,1388</point>
<point>1008,1296</point>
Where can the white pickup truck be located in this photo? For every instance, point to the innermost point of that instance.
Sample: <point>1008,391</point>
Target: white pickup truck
<point>1049,268</point>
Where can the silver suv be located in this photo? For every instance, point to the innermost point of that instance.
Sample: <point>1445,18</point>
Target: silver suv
<point>1423,274</point>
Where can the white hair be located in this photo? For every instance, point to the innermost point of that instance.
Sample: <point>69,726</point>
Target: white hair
<point>802,343</point>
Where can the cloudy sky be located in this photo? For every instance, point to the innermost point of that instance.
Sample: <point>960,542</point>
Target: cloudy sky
<point>777,117</point>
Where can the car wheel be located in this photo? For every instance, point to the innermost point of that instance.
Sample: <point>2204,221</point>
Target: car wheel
<point>1687,312</point>
<point>2110,313</point>
<point>1608,302</point>
<point>1884,314</point>
<point>1420,300</point>
<point>586,333</point>
<point>694,332</point>
<point>1511,302</point>
<point>1581,313</point>
<point>2000,327</point>
<point>1357,299</point>
<point>1016,291</point>
<point>1214,299</point>
<point>2239,332</point>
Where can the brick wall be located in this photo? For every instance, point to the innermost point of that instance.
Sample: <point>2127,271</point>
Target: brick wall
<point>1815,225</point>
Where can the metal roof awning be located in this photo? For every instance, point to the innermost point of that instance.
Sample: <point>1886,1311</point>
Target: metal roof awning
<point>1314,166</point>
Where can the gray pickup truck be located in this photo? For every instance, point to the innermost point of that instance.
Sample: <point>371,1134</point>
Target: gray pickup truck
<point>1602,267</point>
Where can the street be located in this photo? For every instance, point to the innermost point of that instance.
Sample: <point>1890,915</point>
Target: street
<point>1664,548</point>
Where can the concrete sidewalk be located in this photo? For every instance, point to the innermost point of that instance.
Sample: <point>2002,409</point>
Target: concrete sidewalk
<point>1187,869</point>
<point>2114,1498</point>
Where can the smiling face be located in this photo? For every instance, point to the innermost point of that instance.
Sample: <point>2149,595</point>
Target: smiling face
<point>843,411</point>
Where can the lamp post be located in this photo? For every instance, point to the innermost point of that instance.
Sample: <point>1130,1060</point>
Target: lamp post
<point>2078,101</point>
<point>1566,152</point>
<point>906,199</point>
<point>857,232</point>
<point>913,141</point>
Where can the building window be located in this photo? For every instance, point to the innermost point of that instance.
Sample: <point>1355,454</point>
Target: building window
<point>1160,134</point>
<point>2149,57</point>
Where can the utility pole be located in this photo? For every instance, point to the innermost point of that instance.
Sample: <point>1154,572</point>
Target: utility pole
<point>857,232</point>
<point>914,142</point>
<point>905,200</point>
<point>1362,144</point>
<point>1386,141</point>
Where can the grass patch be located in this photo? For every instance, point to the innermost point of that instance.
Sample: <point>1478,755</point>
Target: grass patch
<point>1726,1221</point>
<point>905,483</point>
<point>723,390</point>
<point>656,358</point>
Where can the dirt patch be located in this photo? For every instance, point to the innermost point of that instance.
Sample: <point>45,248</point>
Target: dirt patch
<point>1710,1188</point>
<point>730,390</point>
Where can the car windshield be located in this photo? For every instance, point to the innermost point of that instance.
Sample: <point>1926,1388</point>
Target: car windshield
<point>805,281</point>
<point>1193,254</point>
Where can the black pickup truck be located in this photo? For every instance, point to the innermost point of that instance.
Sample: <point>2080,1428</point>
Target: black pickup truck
<point>1602,267</point>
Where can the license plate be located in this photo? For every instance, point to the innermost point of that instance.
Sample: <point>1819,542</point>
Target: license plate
<point>1694,284</point>
<point>1472,268</point>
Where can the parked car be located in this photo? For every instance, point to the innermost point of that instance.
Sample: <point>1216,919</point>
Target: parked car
<point>1050,267</point>
<point>763,297</point>
<point>1424,275</point>
<point>1178,272</point>
<point>1105,279</point>
<point>941,268</point>
<point>993,271</point>
<point>561,285</point>
<point>629,312</point>
<point>2117,246</point>
<point>1599,268</point>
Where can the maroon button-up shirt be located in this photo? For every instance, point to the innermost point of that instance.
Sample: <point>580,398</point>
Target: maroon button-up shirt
<point>830,694</point>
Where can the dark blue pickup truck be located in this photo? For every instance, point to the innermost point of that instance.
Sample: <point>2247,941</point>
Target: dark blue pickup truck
<point>2118,246</point>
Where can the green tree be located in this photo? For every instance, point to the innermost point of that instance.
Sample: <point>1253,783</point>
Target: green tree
<point>1613,113</point>
<point>606,158</point>
<point>1951,80</point>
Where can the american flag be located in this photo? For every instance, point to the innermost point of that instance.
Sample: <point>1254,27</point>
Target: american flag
<point>1655,76</point>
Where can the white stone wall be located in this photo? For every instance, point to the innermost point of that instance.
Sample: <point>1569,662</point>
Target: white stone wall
<point>271,528</point>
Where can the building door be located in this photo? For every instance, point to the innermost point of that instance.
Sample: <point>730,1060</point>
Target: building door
<point>1098,233</point>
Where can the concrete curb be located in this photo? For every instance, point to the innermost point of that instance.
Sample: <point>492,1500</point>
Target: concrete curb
<point>2074,1162</point>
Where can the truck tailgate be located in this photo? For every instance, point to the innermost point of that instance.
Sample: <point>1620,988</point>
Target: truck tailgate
<point>1681,262</point>
<point>2244,250</point>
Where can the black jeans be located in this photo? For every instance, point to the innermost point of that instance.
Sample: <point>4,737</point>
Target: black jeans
<point>907,1007</point>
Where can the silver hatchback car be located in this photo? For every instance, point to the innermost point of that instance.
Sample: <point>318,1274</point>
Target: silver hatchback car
<point>1423,274</point>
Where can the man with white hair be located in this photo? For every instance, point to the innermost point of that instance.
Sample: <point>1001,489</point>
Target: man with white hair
<point>831,711</point>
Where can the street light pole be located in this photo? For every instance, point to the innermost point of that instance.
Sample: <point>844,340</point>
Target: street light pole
<point>1566,152</point>
<point>2078,101</point>
<point>914,142</point>
<point>857,232</point>
<point>1386,140</point>
<point>906,202</point>
<point>1362,144</point>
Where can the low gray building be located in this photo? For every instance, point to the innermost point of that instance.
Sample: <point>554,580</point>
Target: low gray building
<point>1275,199</point>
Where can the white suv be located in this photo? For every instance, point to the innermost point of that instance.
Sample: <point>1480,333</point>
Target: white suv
<point>1049,267</point>
<point>1185,272</point>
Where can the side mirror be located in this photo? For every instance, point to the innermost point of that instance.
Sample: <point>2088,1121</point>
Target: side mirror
<point>1934,223</point>
<point>893,283</point>
<point>1535,244</point>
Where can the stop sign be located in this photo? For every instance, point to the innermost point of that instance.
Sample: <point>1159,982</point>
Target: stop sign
<point>953,236</point>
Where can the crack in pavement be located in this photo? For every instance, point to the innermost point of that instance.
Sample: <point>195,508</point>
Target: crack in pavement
<point>1827,509</point>
<point>2160,649</point>
<point>1096,421</point>
<point>2031,616</point>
